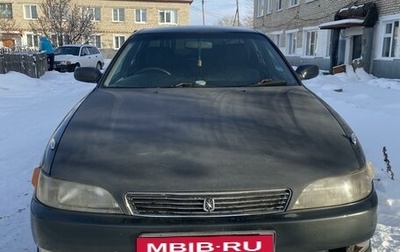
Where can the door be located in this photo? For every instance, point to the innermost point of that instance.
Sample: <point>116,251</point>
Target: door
<point>342,52</point>
<point>85,59</point>
<point>357,47</point>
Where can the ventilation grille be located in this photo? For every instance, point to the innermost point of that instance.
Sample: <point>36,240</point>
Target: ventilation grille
<point>208,204</point>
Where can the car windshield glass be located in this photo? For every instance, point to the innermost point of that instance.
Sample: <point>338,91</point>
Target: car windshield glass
<point>70,50</point>
<point>182,60</point>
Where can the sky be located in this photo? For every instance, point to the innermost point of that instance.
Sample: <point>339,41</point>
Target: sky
<point>217,9</point>
<point>31,109</point>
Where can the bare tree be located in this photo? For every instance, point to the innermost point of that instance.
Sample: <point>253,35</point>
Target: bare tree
<point>246,21</point>
<point>68,22</point>
<point>9,30</point>
<point>225,21</point>
<point>246,16</point>
<point>8,25</point>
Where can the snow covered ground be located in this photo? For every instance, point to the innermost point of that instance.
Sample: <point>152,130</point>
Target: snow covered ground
<point>30,109</point>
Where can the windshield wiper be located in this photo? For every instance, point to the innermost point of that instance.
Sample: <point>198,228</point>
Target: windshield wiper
<point>184,85</point>
<point>269,82</point>
<point>198,83</point>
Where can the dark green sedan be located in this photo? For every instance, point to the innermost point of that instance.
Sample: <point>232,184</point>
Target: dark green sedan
<point>202,139</point>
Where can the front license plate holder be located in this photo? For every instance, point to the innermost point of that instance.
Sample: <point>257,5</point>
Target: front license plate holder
<point>201,242</point>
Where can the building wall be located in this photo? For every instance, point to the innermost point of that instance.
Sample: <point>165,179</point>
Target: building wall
<point>308,15</point>
<point>388,7</point>
<point>305,14</point>
<point>106,28</point>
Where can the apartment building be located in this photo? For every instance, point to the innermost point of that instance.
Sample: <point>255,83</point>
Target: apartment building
<point>115,20</point>
<point>329,33</point>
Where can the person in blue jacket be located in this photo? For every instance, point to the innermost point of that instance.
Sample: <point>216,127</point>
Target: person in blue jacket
<point>46,46</point>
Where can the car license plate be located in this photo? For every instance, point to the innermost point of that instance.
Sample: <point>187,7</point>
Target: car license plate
<point>207,243</point>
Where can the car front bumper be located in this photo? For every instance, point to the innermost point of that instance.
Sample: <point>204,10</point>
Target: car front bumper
<point>63,67</point>
<point>308,230</point>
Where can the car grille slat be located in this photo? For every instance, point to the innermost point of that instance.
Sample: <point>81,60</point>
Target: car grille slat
<point>223,203</point>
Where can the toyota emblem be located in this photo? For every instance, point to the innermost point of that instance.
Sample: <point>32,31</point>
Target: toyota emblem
<point>208,205</point>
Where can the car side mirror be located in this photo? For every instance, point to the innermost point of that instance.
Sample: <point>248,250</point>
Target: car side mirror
<point>307,72</point>
<point>87,74</point>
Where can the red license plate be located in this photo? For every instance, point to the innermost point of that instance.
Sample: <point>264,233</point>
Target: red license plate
<point>207,243</point>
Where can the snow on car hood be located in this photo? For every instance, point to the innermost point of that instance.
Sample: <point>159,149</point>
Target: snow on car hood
<point>202,139</point>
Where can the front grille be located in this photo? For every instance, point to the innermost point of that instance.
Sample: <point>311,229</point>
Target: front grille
<point>208,204</point>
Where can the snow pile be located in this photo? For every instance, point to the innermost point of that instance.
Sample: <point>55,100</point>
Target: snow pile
<point>371,106</point>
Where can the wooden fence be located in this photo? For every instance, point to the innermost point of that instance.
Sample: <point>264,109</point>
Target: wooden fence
<point>33,64</point>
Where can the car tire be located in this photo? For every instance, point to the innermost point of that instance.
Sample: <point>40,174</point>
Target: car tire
<point>73,67</point>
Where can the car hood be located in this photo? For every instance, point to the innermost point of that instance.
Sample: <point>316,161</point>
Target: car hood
<point>65,57</point>
<point>202,139</point>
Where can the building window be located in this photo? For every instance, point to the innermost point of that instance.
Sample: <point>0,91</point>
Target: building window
<point>32,40</point>
<point>391,40</point>
<point>269,6</point>
<point>260,8</point>
<point>6,10</point>
<point>140,15</point>
<point>311,43</point>
<point>293,3</point>
<point>168,16</point>
<point>329,44</point>
<point>291,42</point>
<point>118,41</point>
<point>118,15</point>
<point>30,11</point>
<point>279,5</point>
<point>277,40</point>
<point>95,40</point>
<point>94,11</point>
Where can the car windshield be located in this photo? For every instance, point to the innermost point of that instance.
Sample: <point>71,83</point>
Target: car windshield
<point>64,50</point>
<point>198,60</point>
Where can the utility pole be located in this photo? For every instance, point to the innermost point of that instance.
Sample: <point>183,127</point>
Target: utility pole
<point>237,10</point>
<point>202,10</point>
<point>237,18</point>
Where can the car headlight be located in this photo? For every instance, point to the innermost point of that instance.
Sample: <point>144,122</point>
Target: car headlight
<point>337,190</point>
<point>75,196</point>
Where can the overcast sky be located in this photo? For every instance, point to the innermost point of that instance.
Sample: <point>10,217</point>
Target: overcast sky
<point>217,9</point>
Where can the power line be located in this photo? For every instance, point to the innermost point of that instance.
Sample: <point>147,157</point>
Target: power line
<point>204,11</point>
<point>209,13</point>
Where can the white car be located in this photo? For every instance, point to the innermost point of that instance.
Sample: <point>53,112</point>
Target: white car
<point>69,57</point>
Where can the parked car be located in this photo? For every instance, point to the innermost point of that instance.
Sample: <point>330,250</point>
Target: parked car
<point>69,57</point>
<point>202,139</point>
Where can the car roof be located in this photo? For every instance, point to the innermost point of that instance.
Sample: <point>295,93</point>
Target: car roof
<point>76,45</point>
<point>196,29</point>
